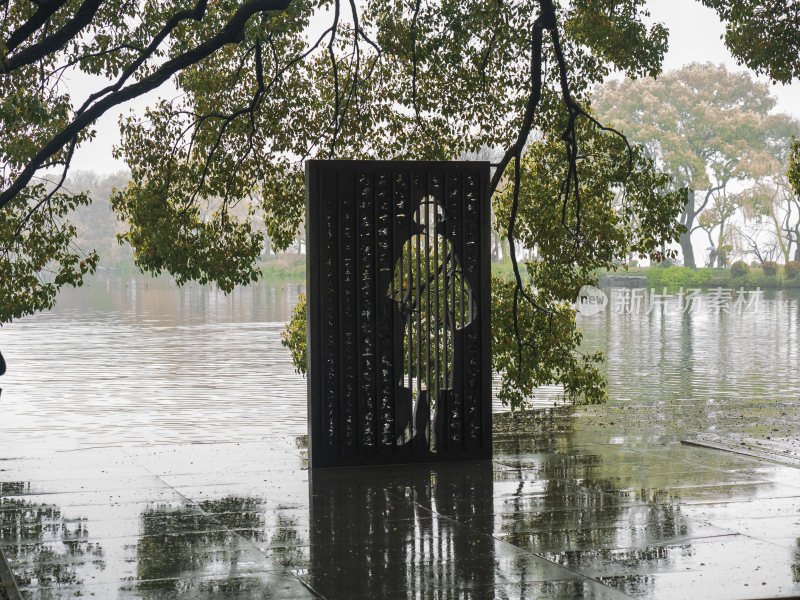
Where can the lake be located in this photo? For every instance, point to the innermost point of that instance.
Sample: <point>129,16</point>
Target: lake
<point>142,361</point>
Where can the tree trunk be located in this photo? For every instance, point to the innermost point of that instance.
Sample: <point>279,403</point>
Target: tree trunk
<point>796,240</point>
<point>779,234</point>
<point>685,239</point>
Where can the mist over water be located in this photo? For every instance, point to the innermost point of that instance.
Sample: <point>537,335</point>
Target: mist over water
<point>142,361</point>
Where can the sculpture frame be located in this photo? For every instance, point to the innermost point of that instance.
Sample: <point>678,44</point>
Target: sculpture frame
<point>359,220</point>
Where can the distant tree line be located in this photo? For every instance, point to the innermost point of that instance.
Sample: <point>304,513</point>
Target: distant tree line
<point>717,135</point>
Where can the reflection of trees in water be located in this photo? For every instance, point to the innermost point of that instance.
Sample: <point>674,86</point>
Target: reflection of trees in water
<point>248,518</point>
<point>178,542</point>
<point>45,547</point>
<point>195,554</point>
<point>367,541</point>
<point>183,544</point>
<point>575,510</point>
<point>285,545</point>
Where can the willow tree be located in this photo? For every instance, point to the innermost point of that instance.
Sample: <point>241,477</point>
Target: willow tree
<point>267,84</point>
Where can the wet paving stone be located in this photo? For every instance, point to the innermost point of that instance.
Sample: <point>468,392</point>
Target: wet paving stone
<point>577,515</point>
<point>725,563</point>
<point>239,585</point>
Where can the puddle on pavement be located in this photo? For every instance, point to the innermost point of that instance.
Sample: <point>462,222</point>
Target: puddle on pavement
<point>558,514</point>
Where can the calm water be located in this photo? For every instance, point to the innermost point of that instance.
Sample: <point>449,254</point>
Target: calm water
<point>131,361</point>
<point>702,354</point>
<point>143,361</point>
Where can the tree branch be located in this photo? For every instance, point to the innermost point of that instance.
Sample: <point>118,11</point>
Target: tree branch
<point>197,13</point>
<point>231,32</point>
<point>29,27</point>
<point>52,43</point>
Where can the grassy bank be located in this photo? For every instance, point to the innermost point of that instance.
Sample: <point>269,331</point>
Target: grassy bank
<point>749,278</point>
<point>284,266</point>
<point>293,267</point>
<point>673,277</point>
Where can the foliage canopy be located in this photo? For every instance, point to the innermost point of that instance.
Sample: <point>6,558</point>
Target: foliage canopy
<point>266,84</point>
<point>763,35</point>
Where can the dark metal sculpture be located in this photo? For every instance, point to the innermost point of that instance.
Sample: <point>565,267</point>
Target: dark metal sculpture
<point>398,311</point>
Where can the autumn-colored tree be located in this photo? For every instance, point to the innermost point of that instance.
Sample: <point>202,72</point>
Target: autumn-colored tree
<point>771,199</point>
<point>708,128</point>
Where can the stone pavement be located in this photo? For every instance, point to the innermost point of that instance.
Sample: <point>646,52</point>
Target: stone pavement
<point>559,513</point>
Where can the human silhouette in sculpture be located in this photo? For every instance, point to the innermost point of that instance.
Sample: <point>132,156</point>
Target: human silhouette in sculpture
<point>434,300</point>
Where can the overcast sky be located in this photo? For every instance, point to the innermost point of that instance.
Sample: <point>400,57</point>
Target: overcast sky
<point>694,36</point>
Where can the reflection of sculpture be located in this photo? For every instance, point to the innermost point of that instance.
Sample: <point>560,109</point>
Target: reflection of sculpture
<point>435,301</point>
<point>397,531</point>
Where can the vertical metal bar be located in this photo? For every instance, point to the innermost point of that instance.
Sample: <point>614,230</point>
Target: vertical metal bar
<point>312,308</point>
<point>365,219</point>
<point>397,288</point>
<point>463,337</point>
<point>446,289</point>
<point>383,309</point>
<point>418,312</point>
<point>431,398</point>
<point>436,313</point>
<point>402,291</point>
<point>463,257</point>
<point>485,308</point>
<point>392,291</point>
<point>454,238</point>
<point>348,292</point>
<point>400,333</point>
<point>331,320</point>
<point>409,295</point>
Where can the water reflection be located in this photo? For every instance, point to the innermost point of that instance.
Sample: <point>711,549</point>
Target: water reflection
<point>147,362</point>
<point>387,525</point>
<point>183,553</point>
<point>634,514</point>
<point>143,361</point>
<point>559,513</point>
<point>700,355</point>
<point>42,546</point>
